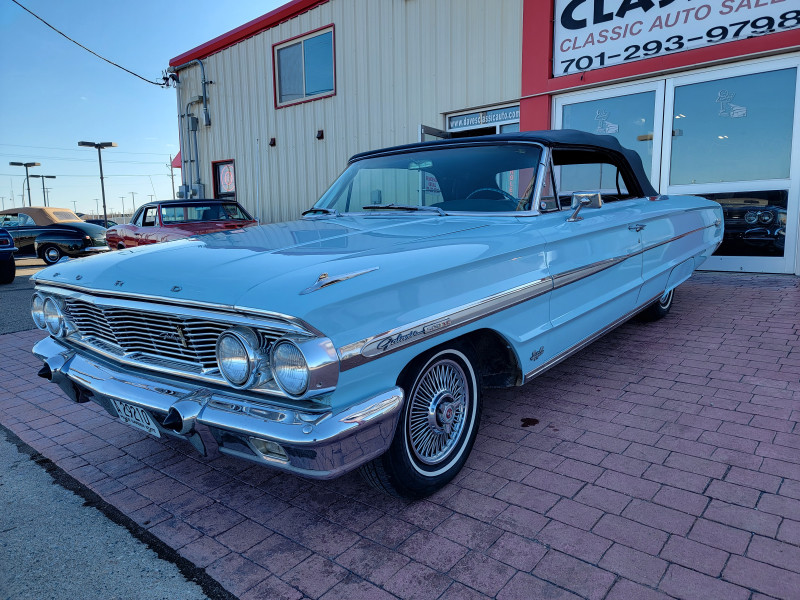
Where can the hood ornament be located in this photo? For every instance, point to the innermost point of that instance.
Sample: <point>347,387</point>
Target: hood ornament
<point>324,280</point>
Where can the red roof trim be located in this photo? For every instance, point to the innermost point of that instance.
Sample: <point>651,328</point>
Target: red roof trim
<point>256,26</point>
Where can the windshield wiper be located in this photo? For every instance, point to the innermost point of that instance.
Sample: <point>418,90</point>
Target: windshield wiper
<point>324,211</point>
<point>435,209</point>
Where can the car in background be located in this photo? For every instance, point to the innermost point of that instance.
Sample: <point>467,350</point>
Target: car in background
<point>168,220</point>
<point>8,267</point>
<point>361,334</point>
<point>102,222</point>
<point>52,233</point>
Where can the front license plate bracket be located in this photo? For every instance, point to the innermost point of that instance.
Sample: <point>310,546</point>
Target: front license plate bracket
<point>136,417</point>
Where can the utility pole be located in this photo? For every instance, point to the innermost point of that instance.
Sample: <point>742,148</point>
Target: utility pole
<point>75,205</point>
<point>172,175</point>
<point>43,177</point>
<point>123,205</point>
<point>133,200</point>
<point>48,195</point>
<point>3,199</point>
<point>151,196</point>
<point>97,207</point>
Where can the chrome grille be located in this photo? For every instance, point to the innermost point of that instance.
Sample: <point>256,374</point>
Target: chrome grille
<point>187,343</point>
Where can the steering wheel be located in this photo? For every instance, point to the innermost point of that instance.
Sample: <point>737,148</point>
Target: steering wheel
<point>503,193</point>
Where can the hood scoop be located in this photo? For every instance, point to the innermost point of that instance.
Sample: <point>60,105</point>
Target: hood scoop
<point>324,280</point>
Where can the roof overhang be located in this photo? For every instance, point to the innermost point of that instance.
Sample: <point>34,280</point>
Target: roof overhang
<point>254,27</point>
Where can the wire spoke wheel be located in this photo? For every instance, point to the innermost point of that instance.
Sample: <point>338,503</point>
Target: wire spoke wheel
<point>437,412</point>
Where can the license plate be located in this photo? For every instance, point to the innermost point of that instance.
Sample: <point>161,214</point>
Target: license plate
<point>136,417</point>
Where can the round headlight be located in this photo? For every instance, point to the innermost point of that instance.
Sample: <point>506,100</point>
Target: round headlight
<point>53,318</point>
<point>37,310</point>
<point>240,358</point>
<point>765,217</point>
<point>751,217</point>
<point>290,368</point>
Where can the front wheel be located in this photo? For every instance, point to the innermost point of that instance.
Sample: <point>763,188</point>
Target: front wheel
<point>660,308</point>
<point>51,254</point>
<point>437,428</point>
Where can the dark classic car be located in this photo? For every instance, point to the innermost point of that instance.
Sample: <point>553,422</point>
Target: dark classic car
<point>102,222</point>
<point>754,222</point>
<point>52,233</point>
<point>8,267</point>
<point>176,219</point>
<point>360,336</point>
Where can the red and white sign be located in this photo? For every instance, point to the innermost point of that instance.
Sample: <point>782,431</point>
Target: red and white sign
<point>592,34</point>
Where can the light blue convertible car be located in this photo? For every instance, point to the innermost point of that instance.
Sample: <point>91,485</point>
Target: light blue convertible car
<point>361,335</point>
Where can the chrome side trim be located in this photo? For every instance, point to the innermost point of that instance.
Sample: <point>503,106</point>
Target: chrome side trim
<point>363,351</point>
<point>390,341</point>
<point>325,280</point>
<point>582,344</point>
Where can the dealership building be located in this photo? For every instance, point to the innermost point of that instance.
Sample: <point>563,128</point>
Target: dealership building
<point>706,91</point>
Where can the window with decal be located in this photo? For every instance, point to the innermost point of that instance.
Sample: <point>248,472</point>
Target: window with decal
<point>224,179</point>
<point>304,67</point>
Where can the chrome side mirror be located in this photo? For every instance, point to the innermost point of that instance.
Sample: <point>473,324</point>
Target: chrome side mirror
<point>581,199</point>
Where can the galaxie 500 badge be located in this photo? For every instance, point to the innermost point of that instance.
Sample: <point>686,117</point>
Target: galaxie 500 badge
<point>393,341</point>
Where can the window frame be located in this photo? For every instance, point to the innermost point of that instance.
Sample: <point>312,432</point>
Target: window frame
<point>300,39</point>
<point>215,175</point>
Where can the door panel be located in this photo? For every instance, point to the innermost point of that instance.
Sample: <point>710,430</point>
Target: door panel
<point>596,265</point>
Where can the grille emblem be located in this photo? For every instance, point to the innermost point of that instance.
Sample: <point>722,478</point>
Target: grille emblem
<point>178,336</point>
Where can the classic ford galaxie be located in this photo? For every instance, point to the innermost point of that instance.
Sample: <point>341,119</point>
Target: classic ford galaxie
<point>361,335</point>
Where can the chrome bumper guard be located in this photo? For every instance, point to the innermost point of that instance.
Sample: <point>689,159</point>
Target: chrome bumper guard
<point>320,445</point>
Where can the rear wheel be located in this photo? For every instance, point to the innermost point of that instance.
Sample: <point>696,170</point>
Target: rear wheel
<point>51,254</point>
<point>8,270</point>
<point>660,308</point>
<point>437,427</point>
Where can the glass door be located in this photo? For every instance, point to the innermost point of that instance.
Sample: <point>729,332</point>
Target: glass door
<point>630,113</point>
<point>732,138</point>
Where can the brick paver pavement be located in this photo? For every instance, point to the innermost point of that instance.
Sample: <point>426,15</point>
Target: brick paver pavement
<point>665,462</point>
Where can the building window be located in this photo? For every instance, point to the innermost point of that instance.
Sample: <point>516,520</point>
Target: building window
<point>304,67</point>
<point>224,179</point>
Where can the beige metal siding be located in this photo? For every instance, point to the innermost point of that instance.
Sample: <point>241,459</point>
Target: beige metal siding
<point>399,64</point>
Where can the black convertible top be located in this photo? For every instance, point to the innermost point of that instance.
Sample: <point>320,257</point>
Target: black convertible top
<point>554,138</point>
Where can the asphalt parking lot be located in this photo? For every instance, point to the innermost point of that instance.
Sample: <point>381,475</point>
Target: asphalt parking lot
<point>664,462</point>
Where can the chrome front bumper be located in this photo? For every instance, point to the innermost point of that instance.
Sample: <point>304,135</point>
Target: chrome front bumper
<point>316,444</point>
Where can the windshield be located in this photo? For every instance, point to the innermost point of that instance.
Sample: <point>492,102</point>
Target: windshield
<point>180,213</point>
<point>485,178</point>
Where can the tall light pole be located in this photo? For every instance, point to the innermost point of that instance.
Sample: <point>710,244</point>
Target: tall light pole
<point>27,165</point>
<point>3,200</point>
<point>100,146</point>
<point>75,205</point>
<point>123,205</point>
<point>97,207</point>
<point>43,177</point>
<point>133,200</point>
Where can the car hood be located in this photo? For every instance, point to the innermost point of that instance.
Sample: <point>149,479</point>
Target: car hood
<point>275,267</point>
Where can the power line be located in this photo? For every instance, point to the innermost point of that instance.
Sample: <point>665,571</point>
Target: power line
<point>91,160</point>
<point>80,150</point>
<point>160,84</point>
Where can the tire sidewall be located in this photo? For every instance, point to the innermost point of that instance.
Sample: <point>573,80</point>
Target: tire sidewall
<point>411,477</point>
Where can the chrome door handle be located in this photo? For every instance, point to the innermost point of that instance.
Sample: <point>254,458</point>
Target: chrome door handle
<point>636,226</point>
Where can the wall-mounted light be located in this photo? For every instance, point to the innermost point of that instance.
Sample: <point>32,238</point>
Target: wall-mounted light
<point>320,134</point>
<point>272,142</point>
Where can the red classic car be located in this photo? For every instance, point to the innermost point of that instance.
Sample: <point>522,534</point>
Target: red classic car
<point>175,219</point>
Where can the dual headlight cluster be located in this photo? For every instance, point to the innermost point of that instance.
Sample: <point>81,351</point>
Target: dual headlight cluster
<point>297,367</point>
<point>48,313</point>
<point>764,217</point>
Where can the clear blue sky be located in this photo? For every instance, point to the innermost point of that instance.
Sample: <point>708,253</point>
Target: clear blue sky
<point>55,94</point>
